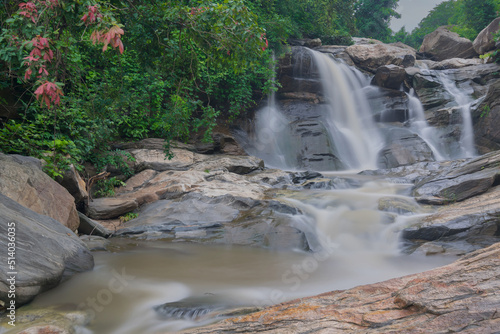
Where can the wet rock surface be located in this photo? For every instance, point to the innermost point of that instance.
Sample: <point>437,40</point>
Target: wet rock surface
<point>225,219</point>
<point>461,297</point>
<point>467,180</point>
<point>202,308</point>
<point>486,116</point>
<point>404,148</point>
<point>474,223</point>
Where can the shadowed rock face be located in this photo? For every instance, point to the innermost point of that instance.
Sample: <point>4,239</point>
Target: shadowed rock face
<point>461,297</point>
<point>486,119</point>
<point>46,252</point>
<point>389,76</point>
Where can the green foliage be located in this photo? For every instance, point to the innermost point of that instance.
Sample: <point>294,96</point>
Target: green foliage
<point>437,17</point>
<point>330,20</point>
<point>173,80</point>
<point>373,17</point>
<point>115,159</point>
<point>34,136</point>
<point>128,216</point>
<point>486,110</point>
<point>106,187</point>
<point>185,65</point>
<point>478,13</point>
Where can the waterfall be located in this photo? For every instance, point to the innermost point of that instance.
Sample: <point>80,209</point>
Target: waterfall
<point>419,124</point>
<point>349,116</point>
<point>272,139</point>
<point>464,103</point>
<point>346,117</point>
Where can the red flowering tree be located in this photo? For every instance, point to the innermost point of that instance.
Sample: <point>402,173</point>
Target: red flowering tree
<point>37,25</point>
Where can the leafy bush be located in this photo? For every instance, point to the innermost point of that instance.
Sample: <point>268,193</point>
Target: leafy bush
<point>106,187</point>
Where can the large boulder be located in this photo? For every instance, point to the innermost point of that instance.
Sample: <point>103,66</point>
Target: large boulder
<point>486,117</point>
<point>389,76</point>
<point>485,41</point>
<point>404,148</point>
<point>472,178</point>
<point>22,179</point>
<point>443,44</point>
<point>184,159</point>
<point>212,177</point>
<point>371,56</point>
<point>46,252</point>
<point>460,297</point>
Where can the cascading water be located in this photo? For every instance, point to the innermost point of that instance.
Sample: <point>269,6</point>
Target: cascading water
<point>346,116</point>
<point>350,119</point>
<point>464,103</point>
<point>460,100</point>
<point>419,124</point>
<point>273,140</point>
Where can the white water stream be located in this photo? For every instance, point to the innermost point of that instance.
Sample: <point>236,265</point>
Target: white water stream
<point>464,102</point>
<point>419,124</point>
<point>350,118</point>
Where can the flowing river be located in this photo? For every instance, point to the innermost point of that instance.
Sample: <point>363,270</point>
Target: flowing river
<point>359,245</point>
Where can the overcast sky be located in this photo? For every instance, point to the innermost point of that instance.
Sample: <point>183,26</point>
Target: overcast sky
<point>412,12</point>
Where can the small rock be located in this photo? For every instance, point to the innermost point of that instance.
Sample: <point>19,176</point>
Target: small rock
<point>91,227</point>
<point>94,242</point>
<point>389,76</point>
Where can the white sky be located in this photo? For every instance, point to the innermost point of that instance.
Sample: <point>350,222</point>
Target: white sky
<point>412,12</point>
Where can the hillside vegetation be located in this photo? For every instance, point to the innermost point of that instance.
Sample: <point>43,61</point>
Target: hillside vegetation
<point>78,75</point>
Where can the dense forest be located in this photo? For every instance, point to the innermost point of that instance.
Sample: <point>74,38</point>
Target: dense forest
<point>78,75</point>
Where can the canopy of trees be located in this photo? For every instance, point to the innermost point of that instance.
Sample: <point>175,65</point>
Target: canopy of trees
<point>83,73</point>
